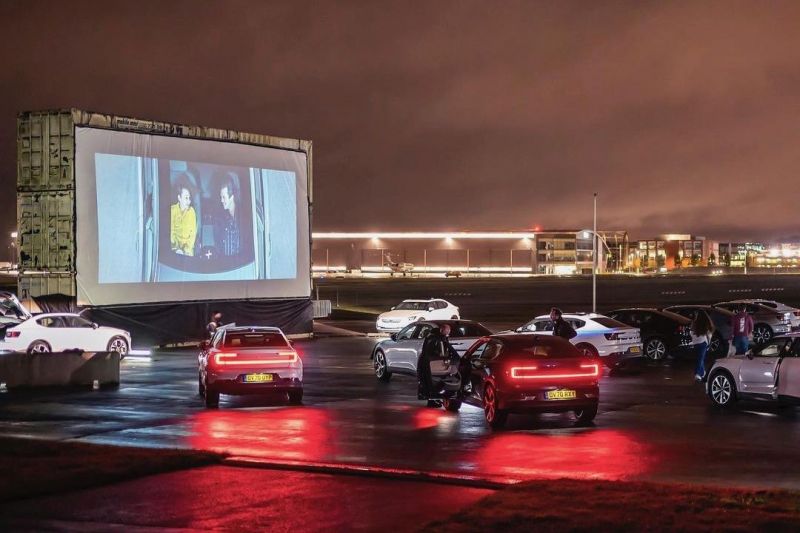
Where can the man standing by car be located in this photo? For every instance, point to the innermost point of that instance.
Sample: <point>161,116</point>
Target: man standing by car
<point>742,326</point>
<point>561,328</point>
<point>435,346</point>
<point>216,322</point>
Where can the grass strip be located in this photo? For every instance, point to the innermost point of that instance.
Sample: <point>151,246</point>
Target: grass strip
<point>39,467</point>
<point>576,505</point>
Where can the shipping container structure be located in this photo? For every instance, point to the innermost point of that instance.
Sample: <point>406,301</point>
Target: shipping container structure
<point>49,259</point>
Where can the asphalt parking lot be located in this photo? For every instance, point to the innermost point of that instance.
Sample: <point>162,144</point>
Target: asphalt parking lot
<point>653,425</point>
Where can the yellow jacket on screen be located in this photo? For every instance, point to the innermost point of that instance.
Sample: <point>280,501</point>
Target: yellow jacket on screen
<point>183,229</point>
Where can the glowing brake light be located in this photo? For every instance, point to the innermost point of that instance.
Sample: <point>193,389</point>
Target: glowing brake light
<point>531,372</point>
<point>12,334</point>
<point>231,358</point>
<point>611,336</point>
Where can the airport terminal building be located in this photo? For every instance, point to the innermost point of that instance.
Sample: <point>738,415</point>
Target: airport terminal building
<point>466,253</point>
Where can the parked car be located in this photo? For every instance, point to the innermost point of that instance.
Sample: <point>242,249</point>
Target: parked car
<point>770,372</point>
<point>597,336</point>
<point>663,332</point>
<point>400,352</point>
<point>12,312</point>
<point>527,374</point>
<point>767,321</point>
<point>410,311</point>
<point>720,317</point>
<point>792,313</point>
<point>242,360</point>
<point>59,332</point>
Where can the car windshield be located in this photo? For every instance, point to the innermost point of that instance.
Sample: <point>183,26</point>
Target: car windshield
<point>413,306</point>
<point>541,348</point>
<point>255,340</point>
<point>468,330</point>
<point>610,322</point>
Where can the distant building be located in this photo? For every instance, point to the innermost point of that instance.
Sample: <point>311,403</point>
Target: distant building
<point>672,251</point>
<point>736,254</point>
<point>499,252</point>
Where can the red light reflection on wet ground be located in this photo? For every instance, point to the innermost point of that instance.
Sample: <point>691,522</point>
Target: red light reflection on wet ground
<point>296,434</point>
<point>589,454</point>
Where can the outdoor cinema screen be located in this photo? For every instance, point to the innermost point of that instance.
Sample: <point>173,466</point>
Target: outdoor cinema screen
<point>173,219</point>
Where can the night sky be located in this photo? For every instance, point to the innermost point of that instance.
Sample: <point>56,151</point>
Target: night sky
<point>684,116</point>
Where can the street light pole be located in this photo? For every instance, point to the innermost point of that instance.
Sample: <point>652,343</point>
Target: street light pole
<point>594,258</point>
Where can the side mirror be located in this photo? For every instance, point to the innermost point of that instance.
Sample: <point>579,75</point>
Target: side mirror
<point>94,325</point>
<point>430,309</point>
<point>393,336</point>
<point>394,307</point>
<point>519,329</point>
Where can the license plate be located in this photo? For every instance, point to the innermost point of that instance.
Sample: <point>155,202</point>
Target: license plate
<point>634,349</point>
<point>257,378</point>
<point>563,394</point>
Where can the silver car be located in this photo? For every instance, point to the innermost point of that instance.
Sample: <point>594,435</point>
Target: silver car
<point>770,372</point>
<point>768,322</point>
<point>400,352</point>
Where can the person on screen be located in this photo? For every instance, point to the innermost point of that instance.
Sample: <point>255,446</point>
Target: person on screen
<point>229,224</point>
<point>183,223</point>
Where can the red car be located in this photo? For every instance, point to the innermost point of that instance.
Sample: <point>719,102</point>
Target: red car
<point>529,374</point>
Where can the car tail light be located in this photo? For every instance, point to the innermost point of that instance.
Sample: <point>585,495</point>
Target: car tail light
<point>13,334</point>
<point>611,336</point>
<point>232,358</point>
<point>797,313</point>
<point>589,370</point>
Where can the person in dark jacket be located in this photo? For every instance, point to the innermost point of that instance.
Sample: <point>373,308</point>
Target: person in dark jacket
<point>214,324</point>
<point>435,346</point>
<point>561,328</point>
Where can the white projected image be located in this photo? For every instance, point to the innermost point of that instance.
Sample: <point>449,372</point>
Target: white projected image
<point>193,221</point>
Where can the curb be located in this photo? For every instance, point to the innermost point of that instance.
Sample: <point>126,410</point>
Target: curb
<point>399,474</point>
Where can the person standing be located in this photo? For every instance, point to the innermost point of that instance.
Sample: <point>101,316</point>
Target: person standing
<point>215,324</point>
<point>561,328</point>
<point>702,331</point>
<point>435,346</point>
<point>183,223</point>
<point>229,225</point>
<point>742,329</point>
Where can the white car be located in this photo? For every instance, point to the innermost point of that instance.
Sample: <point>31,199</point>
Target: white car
<point>58,332</point>
<point>597,335</point>
<point>410,311</point>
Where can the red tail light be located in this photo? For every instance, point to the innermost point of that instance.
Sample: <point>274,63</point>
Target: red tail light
<point>797,313</point>
<point>232,358</point>
<point>12,334</point>
<point>611,336</point>
<point>590,370</point>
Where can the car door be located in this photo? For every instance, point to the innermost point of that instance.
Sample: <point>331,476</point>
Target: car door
<point>440,311</point>
<point>82,334</point>
<point>56,334</point>
<point>789,373</point>
<point>476,371</point>
<point>757,373</point>
<point>399,351</point>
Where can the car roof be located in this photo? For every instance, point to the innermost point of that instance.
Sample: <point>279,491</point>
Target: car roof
<point>420,301</point>
<point>668,314</point>
<point>699,306</point>
<point>251,329</point>
<point>440,322</point>
<point>45,315</point>
<point>580,314</point>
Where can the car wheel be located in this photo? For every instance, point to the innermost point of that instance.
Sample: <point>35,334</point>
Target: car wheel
<point>762,334</point>
<point>585,416</point>
<point>39,347</point>
<point>655,349</point>
<point>296,397</point>
<point>212,397</point>
<point>381,368</point>
<point>722,389</point>
<point>495,417</point>
<point>452,405</point>
<point>118,344</point>
<point>587,349</point>
<point>200,388</point>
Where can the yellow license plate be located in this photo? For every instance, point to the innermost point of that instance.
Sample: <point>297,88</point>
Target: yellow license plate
<point>634,349</point>
<point>257,378</point>
<point>563,394</point>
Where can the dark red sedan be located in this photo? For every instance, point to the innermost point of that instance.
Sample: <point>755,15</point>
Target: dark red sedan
<point>528,374</point>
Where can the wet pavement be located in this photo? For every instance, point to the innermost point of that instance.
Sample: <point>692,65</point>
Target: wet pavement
<point>654,425</point>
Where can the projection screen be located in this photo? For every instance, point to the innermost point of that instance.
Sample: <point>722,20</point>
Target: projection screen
<point>163,219</point>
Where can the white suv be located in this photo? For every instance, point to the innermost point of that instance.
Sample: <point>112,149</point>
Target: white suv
<point>415,310</point>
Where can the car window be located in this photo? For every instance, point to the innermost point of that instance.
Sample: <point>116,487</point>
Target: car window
<point>77,322</point>
<point>216,339</point>
<point>422,331</point>
<point>476,350</point>
<point>543,325</point>
<point>440,304</point>
<point>491,351</point>
<point>469,330</point>
<point>407,332</point>
<point>51,322</point>
<point>575,323</point>
<point>776,348</point>
<point>255,340</point>
<point>412,306</point>
<point>542,348</point>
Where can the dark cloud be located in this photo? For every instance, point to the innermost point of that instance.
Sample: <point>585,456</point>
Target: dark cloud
<point>454,115</point>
